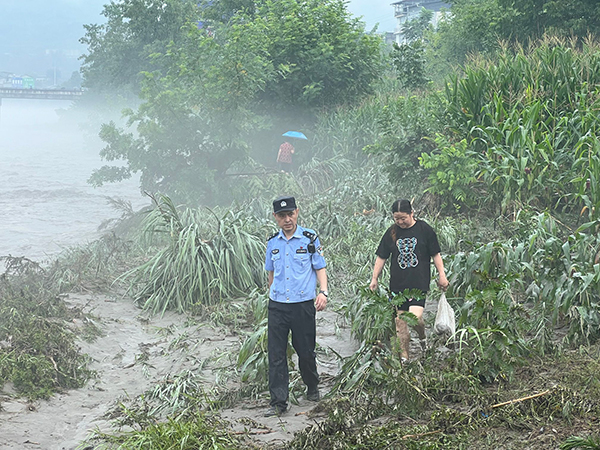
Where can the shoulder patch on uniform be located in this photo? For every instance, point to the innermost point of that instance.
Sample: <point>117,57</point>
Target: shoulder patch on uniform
<point>311,236</point>
<point>271,237</point>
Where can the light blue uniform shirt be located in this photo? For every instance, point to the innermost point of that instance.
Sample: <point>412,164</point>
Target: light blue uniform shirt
<point>293,267</point>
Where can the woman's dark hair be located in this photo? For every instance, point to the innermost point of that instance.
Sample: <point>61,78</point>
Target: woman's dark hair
<point>402,205</point>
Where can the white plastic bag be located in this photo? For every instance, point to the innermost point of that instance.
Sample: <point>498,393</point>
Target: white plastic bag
<point>444,319</point>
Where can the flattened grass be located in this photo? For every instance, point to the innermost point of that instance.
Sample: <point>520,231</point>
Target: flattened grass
<point>201,432</point>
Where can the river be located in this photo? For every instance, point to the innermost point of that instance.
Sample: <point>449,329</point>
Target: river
<point>46,204</point>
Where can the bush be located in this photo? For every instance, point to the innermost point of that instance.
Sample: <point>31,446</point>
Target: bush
<point>197,266</point>
<point>38,352</point>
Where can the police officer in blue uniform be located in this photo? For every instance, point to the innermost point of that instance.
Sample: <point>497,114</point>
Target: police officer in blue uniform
<point>295,264</point>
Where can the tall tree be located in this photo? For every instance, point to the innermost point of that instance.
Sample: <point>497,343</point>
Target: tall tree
<point>474,26</point>
<point>562,17</point>
<point>120,49</point>
<point>188,129</point>
<point>415,28</point>
<point>221,83</point>
<point>477,26</point>
<point>322,54</point>
<point>409,57</point>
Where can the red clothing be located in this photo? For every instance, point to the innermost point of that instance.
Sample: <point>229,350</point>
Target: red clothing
<point>285,153</point>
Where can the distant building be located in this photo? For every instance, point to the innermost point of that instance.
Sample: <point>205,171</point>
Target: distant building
<point>389,37</point>
<point>21,82</point>
<point>5,79</point>
<point>28,82</point>
<point>406,10</point>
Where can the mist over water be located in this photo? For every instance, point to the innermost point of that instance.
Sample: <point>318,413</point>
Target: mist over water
<point>46,204</point>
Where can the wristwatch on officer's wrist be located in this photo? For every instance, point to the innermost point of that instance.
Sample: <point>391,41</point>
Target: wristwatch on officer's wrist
<point>324,293</point>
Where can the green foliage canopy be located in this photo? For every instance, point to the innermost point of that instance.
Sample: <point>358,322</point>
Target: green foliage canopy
<point>409,61</point>
<point>322,55</point>
<point>477,26</point>
<point>566,18</point>
<point>189,128</point>
<point>119,50</point>
<point>222,84</point>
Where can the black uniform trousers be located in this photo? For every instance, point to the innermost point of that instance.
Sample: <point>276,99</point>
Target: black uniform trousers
<point>300,319</point>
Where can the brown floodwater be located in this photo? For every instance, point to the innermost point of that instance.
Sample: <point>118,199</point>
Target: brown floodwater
<point>45,201</point>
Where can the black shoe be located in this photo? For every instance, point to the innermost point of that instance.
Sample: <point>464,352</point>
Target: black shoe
<point>275,411</point>
<point>313,395</point>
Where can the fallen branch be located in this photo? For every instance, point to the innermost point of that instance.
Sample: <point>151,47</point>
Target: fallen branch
<point>254,432</point>
<point>412,436</point>
<point>249,174</point>
<point>521,399</point>
<point>54,363</point>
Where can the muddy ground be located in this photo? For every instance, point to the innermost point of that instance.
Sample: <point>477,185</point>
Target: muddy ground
<point>133,354</point>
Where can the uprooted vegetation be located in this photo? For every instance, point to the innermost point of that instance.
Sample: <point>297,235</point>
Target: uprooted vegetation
<point>526,333</point>
<point>520,365</point>
<point>522,265</point>
<point>38,349</point>
<point>518,223</point>
<point>436,404</point>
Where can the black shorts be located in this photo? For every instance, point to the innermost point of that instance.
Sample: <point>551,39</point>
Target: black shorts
<point>414,301</point>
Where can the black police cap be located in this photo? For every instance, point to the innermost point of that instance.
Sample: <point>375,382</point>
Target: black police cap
<point>284,204</point>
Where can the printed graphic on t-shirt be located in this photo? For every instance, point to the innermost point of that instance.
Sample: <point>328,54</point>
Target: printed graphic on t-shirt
<point>407,257</point>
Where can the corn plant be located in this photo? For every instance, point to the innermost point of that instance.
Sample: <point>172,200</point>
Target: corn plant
<point>493,328</point>
<point>470,271</point>
<point>567,277</point>
<point>523,129</point>
<point>587,180</point>
<point>544,264</point>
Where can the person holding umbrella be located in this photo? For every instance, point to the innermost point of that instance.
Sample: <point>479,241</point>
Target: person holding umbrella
<point>286,150</point>
<point>284,157</point>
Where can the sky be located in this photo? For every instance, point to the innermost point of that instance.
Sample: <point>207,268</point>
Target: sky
<point>37,36</point>
<point>373,12</point>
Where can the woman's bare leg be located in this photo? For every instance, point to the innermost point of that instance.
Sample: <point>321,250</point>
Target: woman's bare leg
<point>403,332</point>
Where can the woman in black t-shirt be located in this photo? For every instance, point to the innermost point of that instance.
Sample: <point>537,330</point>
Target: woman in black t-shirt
<point>412,244</point>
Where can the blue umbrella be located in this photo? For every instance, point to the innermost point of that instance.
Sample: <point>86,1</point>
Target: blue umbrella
<point>295,134</point>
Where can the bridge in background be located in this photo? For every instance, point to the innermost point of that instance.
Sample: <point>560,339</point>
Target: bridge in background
<point>41,94</point>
